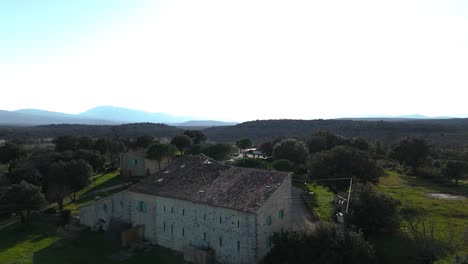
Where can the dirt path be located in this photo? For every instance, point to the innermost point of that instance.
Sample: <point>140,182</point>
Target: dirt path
<point>302,219</point>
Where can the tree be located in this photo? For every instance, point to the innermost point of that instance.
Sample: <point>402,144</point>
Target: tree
<point>115,148</point>
<point>316,143</point>
<point>196,135</point>
<point>455,170</point>
<point>25,171</point>
<point>372,211</point>
<point>182,142</point>
<point>410,151</point>
<point>343,162</point>
<point>329,243</point>
<point>78,174</point>
<point>23,197</point>
<point>218,151</point>
<point>159,152</point>
<point>10,154</point>
<point>244,143</point>
<point>57,183</point>
<point>85,143</point>
<point>96,160</point>
<point>64,143</point>
<point>143,141</point>
<point>102,145</point>
<point>290,149</point>
<point>283,165</point>
<point>267,148</point>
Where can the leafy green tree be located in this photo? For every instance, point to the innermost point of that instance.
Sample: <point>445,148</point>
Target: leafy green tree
<point>96,160</point>
<point>78,175</point>
<point>115,148</point>
<point>361,143</point>
<point>64,143</point>
<point>316,143</point>
<point>267,148</point>
<point>284,165</point>
<point>244,143</point>
<point>23,197</point>
<point>372,211</point>
<point>196,135</point>
<point>159,152</point>
<point>143,141</point>
<point>455,170</point>
<point>329,243</point>
<point>218,152</point>
<point>290,149</point>
<point>25,171</point>
<point>182,142</point>
<point>85,143</point>
<point>9,154</point>
<point>343,162</point>
<point>410,151</point>
<point>57,183</point>
<point>102,145</point>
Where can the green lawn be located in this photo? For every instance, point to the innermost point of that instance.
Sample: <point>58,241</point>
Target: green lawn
<point>320,200</point>
<point>38,244</point>
<point>102,181</point>
<point>451,217</point>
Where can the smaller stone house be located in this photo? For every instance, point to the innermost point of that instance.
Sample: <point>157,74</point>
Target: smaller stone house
<point>135,163</point>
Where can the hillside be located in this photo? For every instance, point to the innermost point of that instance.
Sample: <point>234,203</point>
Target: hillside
<point>127,130</point>
<point>444,132</point>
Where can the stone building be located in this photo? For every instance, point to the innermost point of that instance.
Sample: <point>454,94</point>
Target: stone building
<point>196,202</point>
<point>135,163</point>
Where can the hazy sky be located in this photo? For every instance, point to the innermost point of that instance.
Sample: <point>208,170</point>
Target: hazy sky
<point>236,60</point>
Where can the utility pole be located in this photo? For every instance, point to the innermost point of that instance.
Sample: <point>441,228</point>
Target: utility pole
<point>349,194</point>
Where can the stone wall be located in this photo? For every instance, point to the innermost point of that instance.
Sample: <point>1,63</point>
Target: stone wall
<point>280,200</point>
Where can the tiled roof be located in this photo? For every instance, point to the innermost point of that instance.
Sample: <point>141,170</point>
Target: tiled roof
<point>203,180</point>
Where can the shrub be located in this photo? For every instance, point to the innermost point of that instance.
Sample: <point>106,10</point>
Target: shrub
<point>283,165</point>
<point>329,243</point>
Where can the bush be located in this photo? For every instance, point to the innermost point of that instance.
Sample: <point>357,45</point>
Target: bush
<point>372,211</point>
<point>251,163</point>
<point>329,243</point>
<point>284,165</point>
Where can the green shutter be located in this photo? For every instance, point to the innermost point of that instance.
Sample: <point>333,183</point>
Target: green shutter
<point>268,220</point>
<point>268,242</point>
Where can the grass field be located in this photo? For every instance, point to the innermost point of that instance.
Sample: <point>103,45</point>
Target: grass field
<point>450,217</point>
<point>37,243</point>
<point>320,200</point>
<point>102,181</point>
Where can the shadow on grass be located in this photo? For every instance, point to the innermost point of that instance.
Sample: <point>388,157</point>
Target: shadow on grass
<point>18,233</point>
<point>395,248</point>
<point>450,188</point>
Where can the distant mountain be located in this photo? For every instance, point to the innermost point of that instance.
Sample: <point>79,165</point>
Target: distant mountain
<point>203,123</point>
<point>32,117</point>
<point>101,115</point>
<point>396,118</point>
<point>126,115</point>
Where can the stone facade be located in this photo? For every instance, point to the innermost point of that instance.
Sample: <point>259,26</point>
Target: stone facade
<point>136,164</point>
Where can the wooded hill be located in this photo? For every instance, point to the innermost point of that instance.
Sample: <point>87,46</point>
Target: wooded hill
<point>444,132</point>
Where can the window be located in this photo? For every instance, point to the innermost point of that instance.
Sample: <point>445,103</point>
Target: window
<point>238,245</point>
<point>183,211</point>
<point>172,210</point>
<point>104,207</point>
<point>134,162</point>
<point>220,241</point>
<point>281,214</point>
<point>172,228</point>
<point>204,236</point>
<point>164,226</point>
<point>183,231</point>
<point>141,207</point>
<point>121,203</point>
<point>268,242</point>
<point>204,216</point>
<point>220,220</point>
<point>268,220</point>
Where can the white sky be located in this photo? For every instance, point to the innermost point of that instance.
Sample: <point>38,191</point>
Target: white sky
<point>243,60</point>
